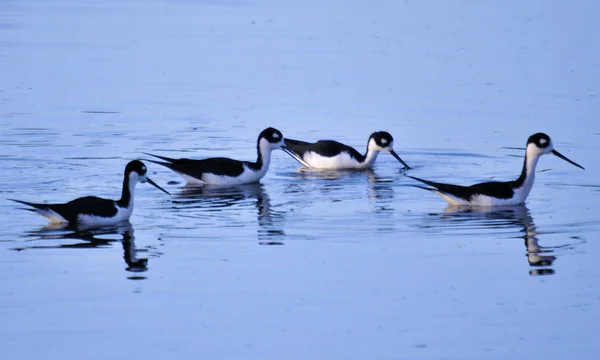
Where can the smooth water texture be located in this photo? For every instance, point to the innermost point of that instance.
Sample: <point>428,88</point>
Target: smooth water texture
<point>330,265</point>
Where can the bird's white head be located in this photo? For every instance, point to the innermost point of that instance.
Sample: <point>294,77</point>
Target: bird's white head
<point>541,144</point>
<point>136,171</point>
<point>271,139</point>
<point>383,141</point>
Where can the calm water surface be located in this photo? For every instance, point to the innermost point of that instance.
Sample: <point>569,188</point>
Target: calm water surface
<point>332,265</point>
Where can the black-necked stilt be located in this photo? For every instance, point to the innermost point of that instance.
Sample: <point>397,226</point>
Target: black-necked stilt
<point>95,211</point>
<point>332,155</point>
<point>225,171</point>
<point>496,193</point>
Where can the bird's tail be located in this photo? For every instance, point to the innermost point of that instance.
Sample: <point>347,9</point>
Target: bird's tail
<point>424,187</point>
<point>32,206</point>
<point>164,158</point>
<point>44,210</point>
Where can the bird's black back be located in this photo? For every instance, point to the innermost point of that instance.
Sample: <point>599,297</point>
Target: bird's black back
<point>88,205</point>
<point>500,190</point>
<point>327,148</point>
<point>196,168</point>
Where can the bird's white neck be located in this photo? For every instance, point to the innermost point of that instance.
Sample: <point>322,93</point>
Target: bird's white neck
<point>132,184</point>
<point>129,184</point>
<point>525,181</point>
<point>370,158</point>
<point>264,156</point>
<point>370,155</point>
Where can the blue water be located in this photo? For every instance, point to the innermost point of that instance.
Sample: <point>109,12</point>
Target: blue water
<point>357,265</point>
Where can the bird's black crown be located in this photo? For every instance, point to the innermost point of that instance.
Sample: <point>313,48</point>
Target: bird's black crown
<point>137,166</point>
<point>540,140</point>
<point>272,135</point>
<point>382,138</point>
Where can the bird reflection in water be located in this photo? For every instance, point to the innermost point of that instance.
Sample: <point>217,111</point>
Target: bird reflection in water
<point>380,190</point>
<point>321,181</point>
<point>269,221</point>
<point>381,195</point>
<point>270,231</point>
<point>130,254</point>
<point>79,237</point>
<point>540,258</point>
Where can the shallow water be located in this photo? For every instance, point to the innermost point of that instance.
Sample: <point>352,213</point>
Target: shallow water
<point>349,265</point>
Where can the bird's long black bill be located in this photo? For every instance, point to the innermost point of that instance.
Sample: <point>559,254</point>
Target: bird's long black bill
<point>295,156</point>
<point>566,159</point>
<point>156,186</point>
<point>406,167</point>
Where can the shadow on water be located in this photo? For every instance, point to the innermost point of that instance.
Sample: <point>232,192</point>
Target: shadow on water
<point>540,258</point>
<point>216,198</point>
<point>90,238</point>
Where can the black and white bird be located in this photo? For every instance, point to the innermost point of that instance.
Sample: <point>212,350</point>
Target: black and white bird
<point>333,155</point>
<point>495,193</point>
<point>226,171</point>
<point>95,211</point>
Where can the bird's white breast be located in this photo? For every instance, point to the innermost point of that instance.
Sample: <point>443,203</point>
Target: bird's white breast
<point>341,161</point>
<point>248,176</point>
<point>121,215</point>
<point>482,200</point>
